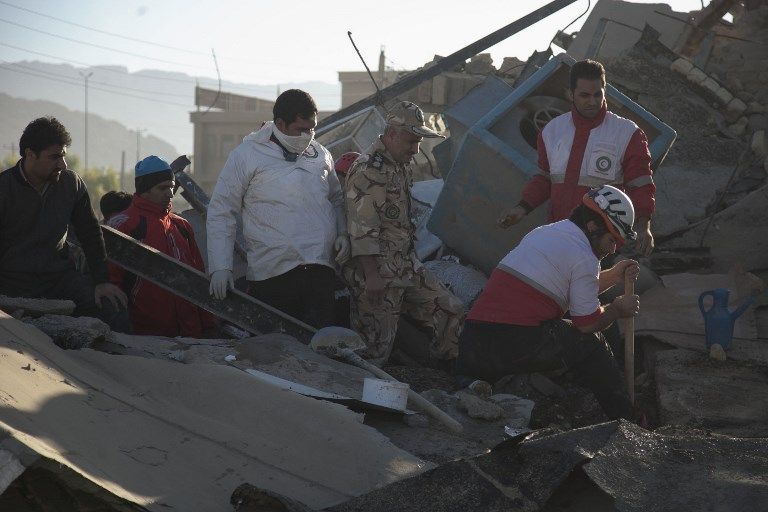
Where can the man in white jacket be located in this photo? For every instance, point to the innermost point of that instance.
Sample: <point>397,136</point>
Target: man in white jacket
<point>283,183</point>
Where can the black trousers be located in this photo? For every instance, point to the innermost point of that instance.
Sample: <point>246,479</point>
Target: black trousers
<point>305,292</point>
<point>490,351</point>
<point>68,285</point>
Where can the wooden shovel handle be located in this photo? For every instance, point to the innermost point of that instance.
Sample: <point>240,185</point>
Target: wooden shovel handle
<point>629,343</point>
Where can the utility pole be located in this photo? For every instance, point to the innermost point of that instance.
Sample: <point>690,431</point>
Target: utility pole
<point>122,171</point>
<point>86,76</point>
<point>138,142</point>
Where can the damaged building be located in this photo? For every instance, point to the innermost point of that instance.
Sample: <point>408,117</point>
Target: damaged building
<point>95,420</point>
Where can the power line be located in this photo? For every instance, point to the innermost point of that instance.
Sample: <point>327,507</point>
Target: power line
<point>80,63</point>
<point>99,83</point>
<point>60,81</point>
<point>128,38</point>
<point>247,88</point>
<point>100,46</point>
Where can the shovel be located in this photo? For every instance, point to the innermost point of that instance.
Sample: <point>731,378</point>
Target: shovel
<point>629,344</point>
<point>336,348</point>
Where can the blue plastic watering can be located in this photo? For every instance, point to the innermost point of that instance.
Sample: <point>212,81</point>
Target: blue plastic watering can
<point>718,321</point>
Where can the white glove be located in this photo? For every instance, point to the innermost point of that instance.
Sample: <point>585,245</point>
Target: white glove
<point>341,246</point>
<point>221,281</point>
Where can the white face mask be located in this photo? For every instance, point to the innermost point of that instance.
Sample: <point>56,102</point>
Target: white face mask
<point>295,143</point>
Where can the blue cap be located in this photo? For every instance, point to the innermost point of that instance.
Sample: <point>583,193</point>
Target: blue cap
<point>151,165</point>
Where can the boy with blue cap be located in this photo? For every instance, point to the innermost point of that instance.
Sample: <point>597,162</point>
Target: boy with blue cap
<point>153,310</point>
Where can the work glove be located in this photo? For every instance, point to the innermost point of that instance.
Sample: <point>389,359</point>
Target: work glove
<point>341,246</point>
<point>221,281</point>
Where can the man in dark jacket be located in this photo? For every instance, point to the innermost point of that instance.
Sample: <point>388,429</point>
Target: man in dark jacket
<point>153,310</point>
<point>39,199</point>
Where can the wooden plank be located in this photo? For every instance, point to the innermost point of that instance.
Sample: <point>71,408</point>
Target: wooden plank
<point>190,284</point>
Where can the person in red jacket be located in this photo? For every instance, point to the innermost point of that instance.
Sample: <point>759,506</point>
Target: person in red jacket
<point>153,310</point>
<point>589,147</point>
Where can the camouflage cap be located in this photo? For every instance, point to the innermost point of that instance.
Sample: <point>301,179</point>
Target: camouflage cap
<point>408,115</point>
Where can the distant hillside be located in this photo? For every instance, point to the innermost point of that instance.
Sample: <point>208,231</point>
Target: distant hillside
<point>106,139</point>
<point>158,101</point>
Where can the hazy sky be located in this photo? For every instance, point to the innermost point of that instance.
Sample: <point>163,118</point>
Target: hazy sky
<point>268,42</point>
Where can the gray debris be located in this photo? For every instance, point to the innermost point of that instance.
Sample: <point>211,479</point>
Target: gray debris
<point>479,408</point>
<point>73,332</point>
<point>36,307</point>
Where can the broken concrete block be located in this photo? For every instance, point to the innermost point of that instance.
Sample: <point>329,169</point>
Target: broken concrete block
<point>696,76</point>
<point>479,408</point>
<point>758,122</point>
<point>758,144</point>
<point>73,332</point>
<point>36,307</point>
<point>755,108</point>
<point>480,64</point>
<point>710,85</point>
<point>739,127</point>
<point>682,66</point>
<point>724,96</point>
<point>545,386</point>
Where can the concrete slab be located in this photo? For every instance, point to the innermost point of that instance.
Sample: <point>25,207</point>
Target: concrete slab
<point>726,397</point>
<point>737,234</point>
<point>630,18</point>
<point>166,435</point>
<point>36,307</point>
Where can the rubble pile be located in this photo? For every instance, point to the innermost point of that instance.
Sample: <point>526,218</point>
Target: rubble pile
<point>255,421</point>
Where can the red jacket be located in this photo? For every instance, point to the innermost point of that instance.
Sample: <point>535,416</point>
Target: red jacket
<point>153,310</point>
<point>637,179</point>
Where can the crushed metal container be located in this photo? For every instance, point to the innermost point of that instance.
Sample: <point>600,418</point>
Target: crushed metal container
<point>498,156</point>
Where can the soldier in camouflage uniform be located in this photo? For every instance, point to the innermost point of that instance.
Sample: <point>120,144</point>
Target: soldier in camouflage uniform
<point>384,274</point>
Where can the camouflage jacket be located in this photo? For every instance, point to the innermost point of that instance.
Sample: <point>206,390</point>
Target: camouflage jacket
<point>378,206</point>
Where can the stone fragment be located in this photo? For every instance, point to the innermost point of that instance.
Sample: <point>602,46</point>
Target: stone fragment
<point>710,85</point>
<point>72,332</point>
<point>478,408</point>
<point>696,76</point>
<point>734,109</point>
<point>758,122</point>
<point>545,386</point>
<point>755,108</point>
<point>724,96</point>
<point>416,420</point>
<point>758,144</point>
<point>682,66</point>
<point>738,128</point>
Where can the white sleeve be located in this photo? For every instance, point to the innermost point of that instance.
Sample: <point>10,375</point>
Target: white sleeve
<point>336,197</point>
<point>584,288</point>
<point>226,202</point>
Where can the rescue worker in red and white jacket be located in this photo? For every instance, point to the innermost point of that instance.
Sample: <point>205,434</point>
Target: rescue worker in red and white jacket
<point>153,310</point>
<point>516,324</point>
<point>589,147</point>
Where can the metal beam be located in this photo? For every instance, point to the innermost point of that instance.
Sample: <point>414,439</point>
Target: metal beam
<point>449,62</point>
<point>190,284</point>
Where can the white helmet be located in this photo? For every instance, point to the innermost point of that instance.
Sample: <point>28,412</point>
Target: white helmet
<point>616,209</point>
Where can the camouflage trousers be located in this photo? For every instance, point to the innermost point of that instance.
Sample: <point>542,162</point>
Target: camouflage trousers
<point>426,301</point>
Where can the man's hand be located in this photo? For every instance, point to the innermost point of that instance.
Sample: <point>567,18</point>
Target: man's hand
<point>341,246</point>
<point>644,243</point>
<point>623,269</point>
<point>221,281</point>
<point>111,292</point>
<point>626,306</point>
<point>511,217</point>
